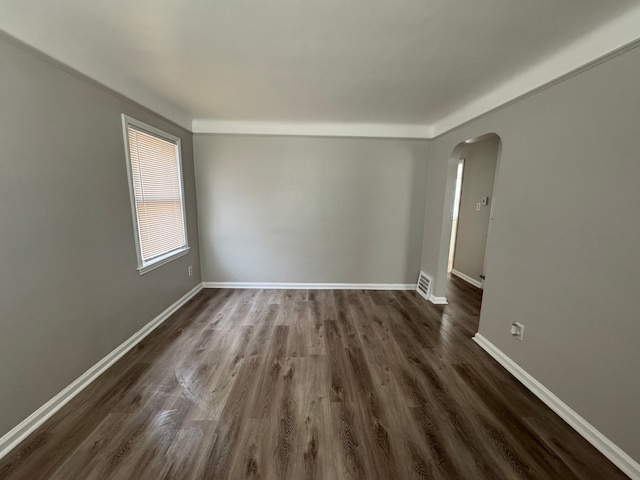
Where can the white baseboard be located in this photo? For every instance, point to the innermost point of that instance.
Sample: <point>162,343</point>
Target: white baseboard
<point>467,278</point>
<point>10,440</point>
<point>312,286</point>
<point>438,300</point>
<point>609,449</point>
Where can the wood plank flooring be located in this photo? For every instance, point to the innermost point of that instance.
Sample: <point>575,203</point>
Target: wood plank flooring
<point>296,384</point>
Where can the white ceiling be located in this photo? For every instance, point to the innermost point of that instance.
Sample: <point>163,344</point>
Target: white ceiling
<point>412,65</point>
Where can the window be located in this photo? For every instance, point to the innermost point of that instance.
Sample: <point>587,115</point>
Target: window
<point>157,199</point>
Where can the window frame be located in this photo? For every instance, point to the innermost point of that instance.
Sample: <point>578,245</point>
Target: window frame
<point>163,259</point>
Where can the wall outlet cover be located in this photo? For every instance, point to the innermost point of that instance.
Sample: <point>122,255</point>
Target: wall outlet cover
<point>517,330</point>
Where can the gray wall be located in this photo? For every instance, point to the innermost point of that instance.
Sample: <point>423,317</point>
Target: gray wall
<point>477,182</point>
<point>318,210</point>
<point>69,289</point>
<point>563,253</point>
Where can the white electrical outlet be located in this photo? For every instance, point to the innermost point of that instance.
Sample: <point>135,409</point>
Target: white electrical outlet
<point>190,270</point>
<point>517,330</point>
<point>478,206</point>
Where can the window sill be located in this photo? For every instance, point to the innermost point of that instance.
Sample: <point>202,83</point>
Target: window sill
<point>158,262</point>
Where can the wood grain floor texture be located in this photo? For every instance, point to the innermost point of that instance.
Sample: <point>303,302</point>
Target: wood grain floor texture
<point>296,384</point>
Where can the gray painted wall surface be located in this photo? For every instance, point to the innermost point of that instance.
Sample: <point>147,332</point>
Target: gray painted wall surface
<point>477,182</point>
<point>69,289</point>
<point>319,210</point>
<point>563,254</point>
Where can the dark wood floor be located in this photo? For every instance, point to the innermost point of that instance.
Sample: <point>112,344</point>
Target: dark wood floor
<point>309,384</point>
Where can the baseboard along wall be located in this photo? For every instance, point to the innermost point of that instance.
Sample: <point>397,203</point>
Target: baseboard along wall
<point>312,286</point>
<point>21,431</point>
<point>609,449</point>
<point>438,300</point>
<point>467,278</point>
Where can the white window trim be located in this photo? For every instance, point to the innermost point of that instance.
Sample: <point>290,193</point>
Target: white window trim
<point>144,267</point>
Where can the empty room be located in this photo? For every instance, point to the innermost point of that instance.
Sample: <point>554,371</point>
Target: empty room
<point>319,240</point>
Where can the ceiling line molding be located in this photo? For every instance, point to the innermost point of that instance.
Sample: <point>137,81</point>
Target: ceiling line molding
<point>320,129</point>
<point>586,51</point>
<point>596,47</point>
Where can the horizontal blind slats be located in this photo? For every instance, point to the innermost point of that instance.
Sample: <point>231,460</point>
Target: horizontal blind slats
<point>158,195</point>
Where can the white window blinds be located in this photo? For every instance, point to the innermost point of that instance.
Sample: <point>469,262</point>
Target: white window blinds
<point>156,190</point>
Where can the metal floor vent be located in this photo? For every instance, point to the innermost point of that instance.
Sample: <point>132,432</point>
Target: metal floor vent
<point>424,285</point>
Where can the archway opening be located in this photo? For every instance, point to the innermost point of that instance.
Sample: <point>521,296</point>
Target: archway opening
<point>473,168</point>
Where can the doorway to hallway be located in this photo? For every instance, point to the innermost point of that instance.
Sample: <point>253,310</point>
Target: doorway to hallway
<point>477,160</point>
